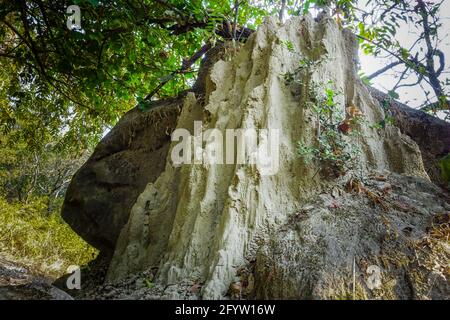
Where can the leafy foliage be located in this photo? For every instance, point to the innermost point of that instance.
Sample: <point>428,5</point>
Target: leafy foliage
<point>40,240</point>
<point>378,28</point>
<point>32,186</point>
<point>69,86</point>
<point>43,172</point>
<point>75,83</point>
<point>444,163</point>
<point>331,148</point>
<point>377,23</point>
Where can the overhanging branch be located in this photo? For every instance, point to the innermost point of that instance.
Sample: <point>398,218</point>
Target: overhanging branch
<point>384,69</point>
<point>187,63</point>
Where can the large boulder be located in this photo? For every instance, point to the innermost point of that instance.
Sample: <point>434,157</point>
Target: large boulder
<point>431,134</point>
<point>100,196</point>
<point>132,154</point>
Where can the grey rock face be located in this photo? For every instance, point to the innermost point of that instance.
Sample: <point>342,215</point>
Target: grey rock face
<point>18,283</point>
<point>431,134</point>
<point>102,192</point>
<point>398,227</point>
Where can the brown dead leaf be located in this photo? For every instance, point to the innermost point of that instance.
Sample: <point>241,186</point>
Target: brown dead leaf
<point>353,111</point>
<point>195,288</point>
<point>387,187</point>
<point>354,185</point>
<point>333,205</point>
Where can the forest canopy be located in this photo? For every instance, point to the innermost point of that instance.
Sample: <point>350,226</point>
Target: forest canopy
<point>65,86</point>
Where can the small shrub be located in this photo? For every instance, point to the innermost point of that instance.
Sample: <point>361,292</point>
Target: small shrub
<point>331,147</point>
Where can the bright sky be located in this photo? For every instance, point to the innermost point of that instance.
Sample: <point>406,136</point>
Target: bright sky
<point>413,96</point>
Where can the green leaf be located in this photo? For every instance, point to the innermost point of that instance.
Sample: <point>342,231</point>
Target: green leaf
<point>444,165</point>
<point>306,6</point>
<point>393,94</point>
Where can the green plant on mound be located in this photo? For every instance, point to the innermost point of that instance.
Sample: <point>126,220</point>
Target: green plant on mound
<point>42,241</point>
<point>333,144</point>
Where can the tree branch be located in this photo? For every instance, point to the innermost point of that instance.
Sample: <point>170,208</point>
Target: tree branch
<point>402,76</point>
<point>171,7</point>
<point>441,56</point>
<point>384,69</point>
<point>236,13</point>
<point>282,9</point>
<point>187,63</point>
<point>432,74</point>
